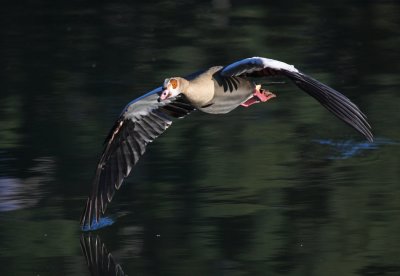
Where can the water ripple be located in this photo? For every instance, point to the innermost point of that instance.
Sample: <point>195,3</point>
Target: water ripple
<point>103,222</point>
<point>348,148</point>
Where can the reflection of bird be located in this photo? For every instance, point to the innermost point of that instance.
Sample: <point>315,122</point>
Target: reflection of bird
<point>98,259</point>
<point>215,90</point>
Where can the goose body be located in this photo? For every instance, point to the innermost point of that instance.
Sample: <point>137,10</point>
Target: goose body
<point>218,94</point>
<point>216,90</point>
<point>229,93</point>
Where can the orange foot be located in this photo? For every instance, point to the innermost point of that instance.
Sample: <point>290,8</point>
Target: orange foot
<point>259,95</point>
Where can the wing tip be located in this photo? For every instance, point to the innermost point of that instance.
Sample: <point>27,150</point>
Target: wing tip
<point>369,136</point>
<point>93,217</point>
<point>90,215</point>
<point>337,103</point>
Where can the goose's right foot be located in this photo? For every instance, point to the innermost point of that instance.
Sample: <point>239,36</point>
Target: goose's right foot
<point>259,95</point>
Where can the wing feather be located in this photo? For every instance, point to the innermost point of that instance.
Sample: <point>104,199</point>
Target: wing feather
<point>334,101</point>
<point>338,104</point>
<point>142,121</point>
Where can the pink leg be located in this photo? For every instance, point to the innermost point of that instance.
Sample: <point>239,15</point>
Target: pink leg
<point>259,95</point>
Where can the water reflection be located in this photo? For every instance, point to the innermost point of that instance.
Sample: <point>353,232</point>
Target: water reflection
<point>19,193</point>
<point>100,262</point>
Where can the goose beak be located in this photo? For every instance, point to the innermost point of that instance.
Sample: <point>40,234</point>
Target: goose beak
<point>165,94</point>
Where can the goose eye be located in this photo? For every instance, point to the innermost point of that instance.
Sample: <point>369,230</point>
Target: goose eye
<point>174,83</point>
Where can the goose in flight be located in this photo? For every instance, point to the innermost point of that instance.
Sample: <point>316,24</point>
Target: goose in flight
<point>216,90</point>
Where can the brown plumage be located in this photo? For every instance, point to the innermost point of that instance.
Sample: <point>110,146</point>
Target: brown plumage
<point>216,90</point>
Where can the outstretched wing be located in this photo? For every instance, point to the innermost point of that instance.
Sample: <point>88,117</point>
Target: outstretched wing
<point>142,120</point>
<point>331,99</point>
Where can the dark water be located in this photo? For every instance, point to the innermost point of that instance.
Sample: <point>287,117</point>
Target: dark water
<point>282,188</point>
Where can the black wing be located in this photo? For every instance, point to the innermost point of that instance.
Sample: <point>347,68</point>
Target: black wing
<point>331,99</point>
<point>143,120</point>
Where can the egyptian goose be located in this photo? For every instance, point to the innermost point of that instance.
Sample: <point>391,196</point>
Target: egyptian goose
<point>216,90</point>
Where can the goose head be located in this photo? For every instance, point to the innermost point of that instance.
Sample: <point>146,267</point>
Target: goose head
<point>172,87</point>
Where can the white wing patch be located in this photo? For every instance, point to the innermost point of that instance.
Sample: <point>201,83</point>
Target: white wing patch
<point>276,64</point>
<point>249,65</point>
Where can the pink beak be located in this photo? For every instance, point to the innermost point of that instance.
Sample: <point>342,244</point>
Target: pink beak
<point>164,95</point>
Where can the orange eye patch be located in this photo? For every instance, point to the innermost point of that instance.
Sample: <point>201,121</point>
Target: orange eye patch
<point>174,83</point>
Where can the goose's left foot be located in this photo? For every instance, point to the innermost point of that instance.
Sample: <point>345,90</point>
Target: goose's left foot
<point>259,95</point>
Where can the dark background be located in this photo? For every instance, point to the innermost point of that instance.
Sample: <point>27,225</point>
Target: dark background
<point>279,188</point>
